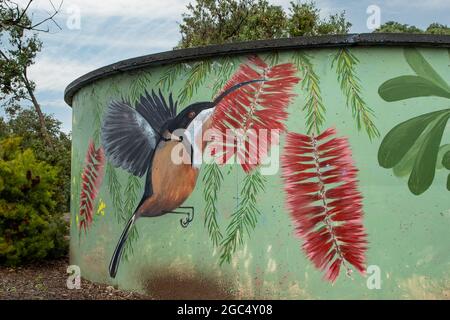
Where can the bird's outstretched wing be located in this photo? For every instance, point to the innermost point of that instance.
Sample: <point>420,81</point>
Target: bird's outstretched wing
<point>127,138</point>
<point>130,136</point>
<point>155,110</point>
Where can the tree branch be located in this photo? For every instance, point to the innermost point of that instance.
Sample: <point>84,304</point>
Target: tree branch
<point>4,55</point>
<point>238,27</point>
<point>37,107</point>
<point>50,18</point>
<point>17,22</point>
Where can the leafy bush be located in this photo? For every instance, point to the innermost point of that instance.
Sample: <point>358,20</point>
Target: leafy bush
<point>25,123</point>
<point>30,227</point>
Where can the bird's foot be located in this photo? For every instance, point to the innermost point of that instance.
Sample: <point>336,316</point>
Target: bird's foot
<point>189,218</point>
<point>186,221</point>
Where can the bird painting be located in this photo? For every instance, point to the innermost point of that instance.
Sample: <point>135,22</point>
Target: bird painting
<point>142,141</point>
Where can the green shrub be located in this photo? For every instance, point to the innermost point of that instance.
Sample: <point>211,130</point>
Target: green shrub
<point>25,123</point>
<point>30,227</point>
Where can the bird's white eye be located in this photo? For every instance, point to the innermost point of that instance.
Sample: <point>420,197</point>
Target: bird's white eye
<point>191,114</point>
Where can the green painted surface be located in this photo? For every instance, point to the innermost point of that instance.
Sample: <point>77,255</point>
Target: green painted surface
<point>409,238</point>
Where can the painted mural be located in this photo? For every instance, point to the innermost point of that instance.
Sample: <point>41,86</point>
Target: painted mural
<point>331,125</point>
<point>414,147</point>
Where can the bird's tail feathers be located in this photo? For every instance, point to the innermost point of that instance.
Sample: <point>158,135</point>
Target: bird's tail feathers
<point>115,260</point>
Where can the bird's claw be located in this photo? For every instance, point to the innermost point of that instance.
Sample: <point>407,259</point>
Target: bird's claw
<point>187,221</point>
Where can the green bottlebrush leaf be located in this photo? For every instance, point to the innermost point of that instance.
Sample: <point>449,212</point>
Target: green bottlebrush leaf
<point>196,76</point>
<point>448,182</point>
<point>405,87</point>
<point>132,191</point>
<point>170,76</point>
<point>244,219</point>
<point>115,191</point>
<point>402,137</point>
<point>116,91</point>
<point>346,64</point>
<point>128,248</point>
<point>139,86</point>
<point>314,107</point>
<point>272,58</point>
<point>446,160</point>
<point>224,68</point>
<point>97,118</point>
<point>424,168</point>
<point>212,180</point>
<point>423,69</point>
<point>76,184</point>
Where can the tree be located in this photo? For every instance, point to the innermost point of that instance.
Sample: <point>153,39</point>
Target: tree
<point>437,28</point>
<point>19,45</point>
<point>11,15</point>
<point>304,20</point>
<point>25,124</point>
<point>30,227</point>
<point>396,27</point>
<point>224,21</point>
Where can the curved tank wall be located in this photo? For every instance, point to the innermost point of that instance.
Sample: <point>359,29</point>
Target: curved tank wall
<point>362,182</point>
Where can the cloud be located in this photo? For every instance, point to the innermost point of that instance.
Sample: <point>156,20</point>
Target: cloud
<point>423,5</point>
<point>54,74</point>
<point>118,29</point>
<point>327,7</point>
<point>59,103</point>
<point>149,9</point>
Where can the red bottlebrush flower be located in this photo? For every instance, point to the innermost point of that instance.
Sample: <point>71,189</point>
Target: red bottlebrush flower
<point>92,178</point>
<point>256,106</point>
<point>324,201</point>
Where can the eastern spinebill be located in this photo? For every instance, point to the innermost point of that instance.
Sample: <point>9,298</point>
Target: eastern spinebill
<point>141,140</point>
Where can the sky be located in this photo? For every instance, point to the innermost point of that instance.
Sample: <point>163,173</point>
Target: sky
<point>97,33</point>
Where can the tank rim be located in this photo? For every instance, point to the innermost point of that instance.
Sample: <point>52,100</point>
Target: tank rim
<point>238,48</point>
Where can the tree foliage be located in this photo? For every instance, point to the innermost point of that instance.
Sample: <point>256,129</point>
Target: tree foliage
<point>396,27</point>
<point>438,28</point>
<point>18,49</point>
<point>304,20</point>
<point>13,15</point>
<point>30,227</point>
<point>223,21</point>
<point>25,124</point>
<point>19,45</point>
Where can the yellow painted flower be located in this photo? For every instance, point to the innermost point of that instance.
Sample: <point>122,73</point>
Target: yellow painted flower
<point>101,208</point>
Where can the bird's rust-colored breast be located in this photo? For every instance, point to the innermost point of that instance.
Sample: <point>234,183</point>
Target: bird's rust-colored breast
<point>172,182</point>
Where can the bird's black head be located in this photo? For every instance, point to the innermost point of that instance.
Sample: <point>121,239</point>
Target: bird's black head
<point>186,116</point>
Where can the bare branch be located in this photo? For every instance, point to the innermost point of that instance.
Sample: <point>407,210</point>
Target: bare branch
<point>50,17</point>
<point>20,14</point>
<point>4,55</point>
<point>24,10</point>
